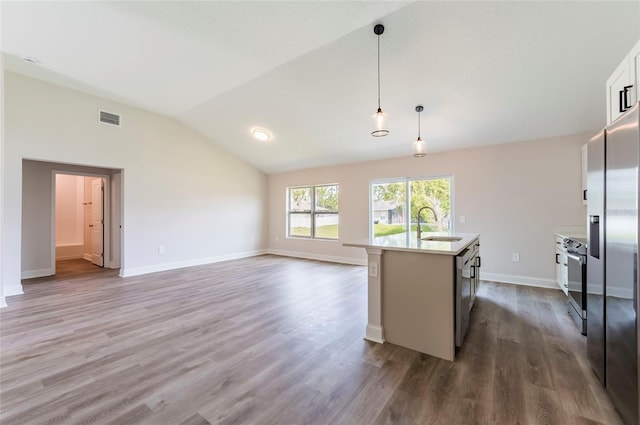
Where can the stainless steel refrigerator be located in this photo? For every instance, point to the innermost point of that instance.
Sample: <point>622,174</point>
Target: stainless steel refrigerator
<point>613,159</point>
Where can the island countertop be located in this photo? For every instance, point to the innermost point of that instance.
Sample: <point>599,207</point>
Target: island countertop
<point>400,242</point>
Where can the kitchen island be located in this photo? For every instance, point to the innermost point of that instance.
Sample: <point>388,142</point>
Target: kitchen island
<point>420,290</point>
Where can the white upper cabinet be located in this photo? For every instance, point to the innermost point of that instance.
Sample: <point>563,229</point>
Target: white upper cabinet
<point>622,86</point>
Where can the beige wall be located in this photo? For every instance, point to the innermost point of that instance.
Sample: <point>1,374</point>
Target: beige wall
<point>180,190</point>
<point>514,194</point>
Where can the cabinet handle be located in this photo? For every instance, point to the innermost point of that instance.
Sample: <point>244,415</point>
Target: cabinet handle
<point>479,261</point>
<point>584,195</point>
<point>623,98</point>
<point>557,258</point>
<point>473,270</point>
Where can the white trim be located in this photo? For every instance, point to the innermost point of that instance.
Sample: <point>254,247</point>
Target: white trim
<point>375,334</point>
<point>538,282</point>
<point>135,271</point>
<point>11,290</point>
<point>69,251</point>
<point>319,257</point>
<point>30,274</point>
<point>86,256</point>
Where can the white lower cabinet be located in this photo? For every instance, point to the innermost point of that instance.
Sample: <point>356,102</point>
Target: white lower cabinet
<point>562,270</point>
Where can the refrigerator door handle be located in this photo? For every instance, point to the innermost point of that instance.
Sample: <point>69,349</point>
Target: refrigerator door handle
<point>594,236</point>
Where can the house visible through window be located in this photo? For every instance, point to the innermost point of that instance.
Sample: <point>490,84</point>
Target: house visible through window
<point>395,205</point>
<point>313,211</point>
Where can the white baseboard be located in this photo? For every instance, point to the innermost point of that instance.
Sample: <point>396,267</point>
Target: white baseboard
<point>10,290</point>
<point>87,257</point>
<point>69,252</point>
<point>319,257</point>
<point>374,333</point>
<point>136,271</point>
<point>538,282</point>
<point>30,274</point>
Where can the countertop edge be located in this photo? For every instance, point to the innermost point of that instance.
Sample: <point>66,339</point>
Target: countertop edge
<point>471,239</point>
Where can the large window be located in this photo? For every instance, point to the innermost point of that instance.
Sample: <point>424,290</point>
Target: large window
<point>395,205</point>
<point>313,211</point>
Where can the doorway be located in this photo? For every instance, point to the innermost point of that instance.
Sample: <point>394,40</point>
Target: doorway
<point>39,241</point>
<point>79,219</point>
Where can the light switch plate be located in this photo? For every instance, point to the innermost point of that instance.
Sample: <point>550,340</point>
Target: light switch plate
<point>515,257</point>
<point>462,219</point>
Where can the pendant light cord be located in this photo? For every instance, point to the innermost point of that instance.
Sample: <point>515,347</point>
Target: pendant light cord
<point>378,72</point>
<point>418,124</point>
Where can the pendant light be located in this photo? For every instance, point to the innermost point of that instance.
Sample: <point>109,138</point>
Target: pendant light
<point>379,118</point>
<point>419,146</point>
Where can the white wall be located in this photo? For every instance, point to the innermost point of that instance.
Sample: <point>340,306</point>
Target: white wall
<point>2,180</point>
<point>514,194</point>
<point>180,190</point>
<point>69,216</point>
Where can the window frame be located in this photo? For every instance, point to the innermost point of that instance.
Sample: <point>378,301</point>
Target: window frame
<point>312,212</point>
<point>407,202</point>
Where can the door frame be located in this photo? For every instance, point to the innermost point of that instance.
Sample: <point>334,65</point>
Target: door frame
<point>108,261</point>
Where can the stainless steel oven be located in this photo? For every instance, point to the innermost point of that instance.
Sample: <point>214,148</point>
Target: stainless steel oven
<point>577,281</point>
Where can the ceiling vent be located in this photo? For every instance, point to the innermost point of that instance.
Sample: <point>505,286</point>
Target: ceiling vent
<point>108,118</point>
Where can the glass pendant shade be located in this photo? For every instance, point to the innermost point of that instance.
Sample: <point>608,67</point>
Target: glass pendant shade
<point>419,148</point>
<point>380,124</point>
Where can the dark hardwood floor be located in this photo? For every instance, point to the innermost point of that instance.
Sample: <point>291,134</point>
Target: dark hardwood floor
<point>275,340</point>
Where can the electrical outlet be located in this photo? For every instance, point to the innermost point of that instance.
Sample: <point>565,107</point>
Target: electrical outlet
<point>160,249</point>
<point>373,269</point>
<point>462,219</point>
<point>277,239</point>
<point>515,257</point>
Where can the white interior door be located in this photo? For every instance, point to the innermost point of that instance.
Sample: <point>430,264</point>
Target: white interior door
<point>97,221</point>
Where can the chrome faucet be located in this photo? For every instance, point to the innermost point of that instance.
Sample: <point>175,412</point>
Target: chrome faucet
<point>435,215</point>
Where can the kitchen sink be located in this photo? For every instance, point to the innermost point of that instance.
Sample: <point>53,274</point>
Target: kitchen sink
<point>442,238</point>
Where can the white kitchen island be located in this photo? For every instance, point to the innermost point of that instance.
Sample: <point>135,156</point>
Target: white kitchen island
<point>412,290</point>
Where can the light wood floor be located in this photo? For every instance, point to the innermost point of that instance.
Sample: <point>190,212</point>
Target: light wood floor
<point>274,340</point>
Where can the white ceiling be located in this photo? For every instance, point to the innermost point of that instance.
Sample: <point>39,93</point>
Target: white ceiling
<point>486,72</point>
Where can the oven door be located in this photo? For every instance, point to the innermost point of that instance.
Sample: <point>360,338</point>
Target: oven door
<point>575,282</point>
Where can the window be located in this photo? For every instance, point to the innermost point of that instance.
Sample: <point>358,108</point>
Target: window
<point>313,211</point>
<point>392,199</point>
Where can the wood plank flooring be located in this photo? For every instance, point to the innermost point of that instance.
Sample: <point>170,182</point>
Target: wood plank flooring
<point>275,340</point>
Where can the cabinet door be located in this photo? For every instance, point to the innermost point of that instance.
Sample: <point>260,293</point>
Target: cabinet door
<point>620,79</point>
<point>559,268</point>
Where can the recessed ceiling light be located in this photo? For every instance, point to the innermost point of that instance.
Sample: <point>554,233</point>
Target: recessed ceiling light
<point>31,60</point>
<point>261,134</point>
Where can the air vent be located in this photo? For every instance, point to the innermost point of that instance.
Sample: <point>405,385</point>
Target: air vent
<point>108,118</point>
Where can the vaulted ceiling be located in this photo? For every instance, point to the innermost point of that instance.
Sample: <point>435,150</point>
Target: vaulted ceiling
<point>486,72</point>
